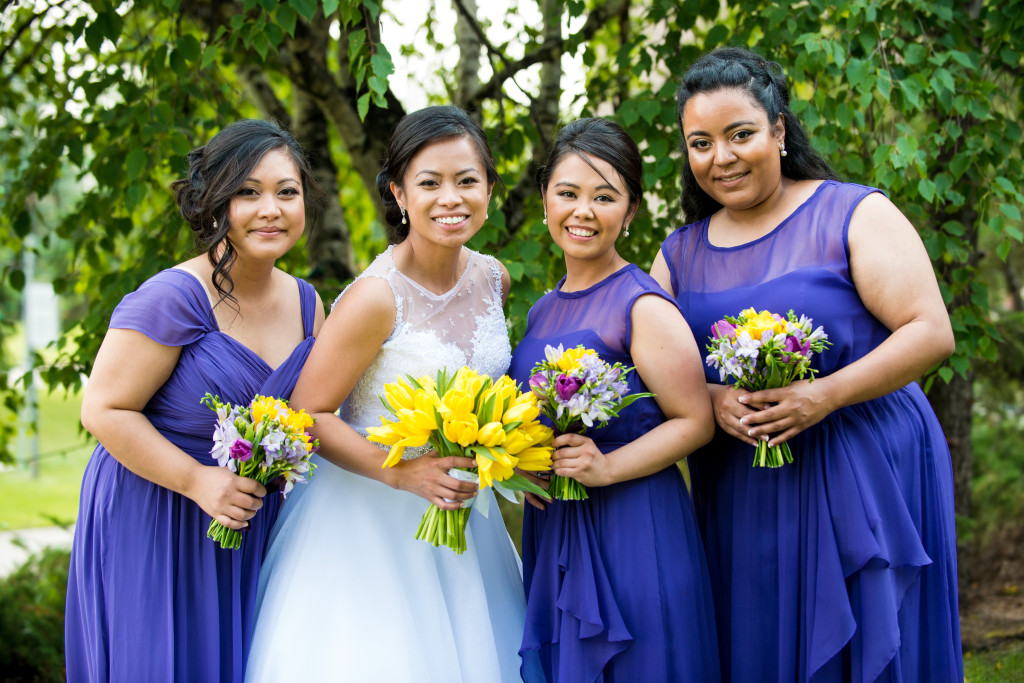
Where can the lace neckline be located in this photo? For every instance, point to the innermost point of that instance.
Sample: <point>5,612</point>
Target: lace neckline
<point>423,290</point>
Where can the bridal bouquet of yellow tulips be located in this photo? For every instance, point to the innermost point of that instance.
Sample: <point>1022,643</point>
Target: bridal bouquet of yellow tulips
<point>466,414</point>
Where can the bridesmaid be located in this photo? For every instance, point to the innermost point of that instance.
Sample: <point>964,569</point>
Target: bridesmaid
<point>842,565</point>
<point>617,586</point>
<point>150,598</point>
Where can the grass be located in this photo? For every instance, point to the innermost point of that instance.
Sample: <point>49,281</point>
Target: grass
<point>27,501</point>
<point>990,666</point>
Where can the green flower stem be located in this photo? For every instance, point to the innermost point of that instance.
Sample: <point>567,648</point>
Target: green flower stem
<point>567,488</point>
<point>444,527</point>
<point>775,456</point>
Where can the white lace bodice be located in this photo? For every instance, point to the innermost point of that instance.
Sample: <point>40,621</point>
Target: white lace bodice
<point>464,326</point>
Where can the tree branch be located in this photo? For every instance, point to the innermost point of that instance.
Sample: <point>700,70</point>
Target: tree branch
<point>547,50</point>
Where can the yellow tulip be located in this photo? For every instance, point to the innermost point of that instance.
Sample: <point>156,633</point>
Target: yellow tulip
<point>535,459</point>
<point>523,409</point>
<point>461,431</point>
<point>399,394</point>
<point>570,359</point>
<point>499,469</point>
<point>517,440</point>
<point>491,435</point>
<point>540,434</point>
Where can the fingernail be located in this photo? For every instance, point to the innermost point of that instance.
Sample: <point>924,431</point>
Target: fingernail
<point>750,432</point>
<point>743,420</point>
<point>742,399</point>
<point>764,437</point>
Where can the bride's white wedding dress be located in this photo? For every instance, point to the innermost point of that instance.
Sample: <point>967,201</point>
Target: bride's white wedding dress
<point>346,593</point>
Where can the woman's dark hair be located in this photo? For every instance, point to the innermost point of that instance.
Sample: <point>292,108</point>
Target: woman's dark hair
<point>217,170</point>
<point>601,139</point>
<point>414,132</point>
<point>765,82</point>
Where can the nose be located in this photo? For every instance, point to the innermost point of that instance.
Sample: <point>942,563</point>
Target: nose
<point>583,209</point>
<point>724,154</point>
<point>449,195</point>
<point>269,205</point>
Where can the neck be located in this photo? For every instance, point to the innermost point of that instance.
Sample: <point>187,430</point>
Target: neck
<point>770,206</point>
<point>436,267</point>
<point>583,274</point>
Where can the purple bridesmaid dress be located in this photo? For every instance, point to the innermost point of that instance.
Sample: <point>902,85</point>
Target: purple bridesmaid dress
<point>842,565</point>
<point>150,598</point>
<point>616,585</point>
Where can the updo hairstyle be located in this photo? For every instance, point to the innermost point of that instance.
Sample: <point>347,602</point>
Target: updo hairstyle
<point>411,134</point>
<point>216,172</point>
<point>765,83</point>
<point>601,139</point>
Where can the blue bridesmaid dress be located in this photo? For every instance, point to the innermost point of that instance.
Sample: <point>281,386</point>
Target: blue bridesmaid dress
<point>150,598</point>
<point>842,565</point>
<point>616,586</point>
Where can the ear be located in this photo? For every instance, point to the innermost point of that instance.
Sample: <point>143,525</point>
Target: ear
<point>398,192</point>
<point>632,211</point>
<point>779,130</point>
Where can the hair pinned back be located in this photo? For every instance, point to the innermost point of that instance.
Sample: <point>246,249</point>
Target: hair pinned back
<point>765,82</point>
<point>414,132</point>
<point>217,170</point>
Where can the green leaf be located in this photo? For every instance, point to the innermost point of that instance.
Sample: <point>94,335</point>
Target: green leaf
<point>209,56</point>
<point>716,36</point>
<point>17,279</point>
<point>307,8</point>
<point>287,18</point>
<point>927,189</point>
<point>330,6</point>
<point>363,106</point>
<point>1010,211</point>
<point>189,47</point>
<point>356,40</point>
<point>135,162</point>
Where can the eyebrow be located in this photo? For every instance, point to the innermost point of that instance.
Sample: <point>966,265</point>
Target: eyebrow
<point>727,128</point>
<point>464,171</point>
<point>605,186</point>
<point>279,182</point>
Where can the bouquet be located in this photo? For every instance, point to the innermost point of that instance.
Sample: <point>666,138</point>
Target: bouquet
<point>765,351</point>
<point>263,441</point>
<point>577,390</point>
<point>466,414</point>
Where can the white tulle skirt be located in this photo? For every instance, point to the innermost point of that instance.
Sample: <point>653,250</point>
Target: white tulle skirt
<point>347,594</point>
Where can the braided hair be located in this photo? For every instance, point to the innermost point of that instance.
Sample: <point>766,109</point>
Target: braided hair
<point>765,82</point>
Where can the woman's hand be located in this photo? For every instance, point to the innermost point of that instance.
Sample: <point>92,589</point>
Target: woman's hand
<point>787,411</point>
<point>532,498</point>
<point>427,476</point>
<point>228,498</point>
<point>577,456</point>
<point>730,410</point>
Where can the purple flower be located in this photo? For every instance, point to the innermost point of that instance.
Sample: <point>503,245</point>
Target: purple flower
<point>722,329</point>
<point>567,386</point>
<point>241,450</point>
<point>538,383</point>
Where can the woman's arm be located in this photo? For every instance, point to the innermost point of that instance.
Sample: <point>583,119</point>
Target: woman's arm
<point>894,278</point>
<point>661,274</point>
<point>667,359</point>
<point>129,369</point>
<point>348,342</point>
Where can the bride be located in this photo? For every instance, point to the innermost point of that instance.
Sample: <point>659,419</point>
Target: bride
<point>346,592</point>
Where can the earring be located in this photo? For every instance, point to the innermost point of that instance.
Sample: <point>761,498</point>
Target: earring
<point>545,221</point>
<point>782,151</point>
<point>402,209</point>
<point>625,230</point>
<point>214,223</point>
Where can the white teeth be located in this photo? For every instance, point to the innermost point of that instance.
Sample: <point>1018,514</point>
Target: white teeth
<point>581,232</point>
<point>450,220</point>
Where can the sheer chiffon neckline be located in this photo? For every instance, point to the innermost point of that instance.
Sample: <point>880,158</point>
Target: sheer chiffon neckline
<point>597,285</point>
<point>421,288</point>
<point>785,222</point>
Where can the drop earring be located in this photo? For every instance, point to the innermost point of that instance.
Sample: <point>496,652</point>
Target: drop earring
<point>214,223</point>
<point>545,221</point>
<point>782,151</point>
<point>625,230</point>
<point>402,209</point>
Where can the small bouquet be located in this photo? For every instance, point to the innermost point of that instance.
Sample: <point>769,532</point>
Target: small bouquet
<point>577,390</point>
<point>765,351</point>
<point>263,441</point>
<point>466,414</point>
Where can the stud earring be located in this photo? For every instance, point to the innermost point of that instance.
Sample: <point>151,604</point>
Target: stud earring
<point>214,223</point>
<point>402,209</point>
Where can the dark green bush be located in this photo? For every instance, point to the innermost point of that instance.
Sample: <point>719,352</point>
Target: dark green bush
<point>32,618</point>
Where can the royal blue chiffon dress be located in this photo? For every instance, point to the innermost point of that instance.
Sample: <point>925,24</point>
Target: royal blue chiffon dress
<point>616,586</point>
<point>150,598</point>
<point>842,565</point>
